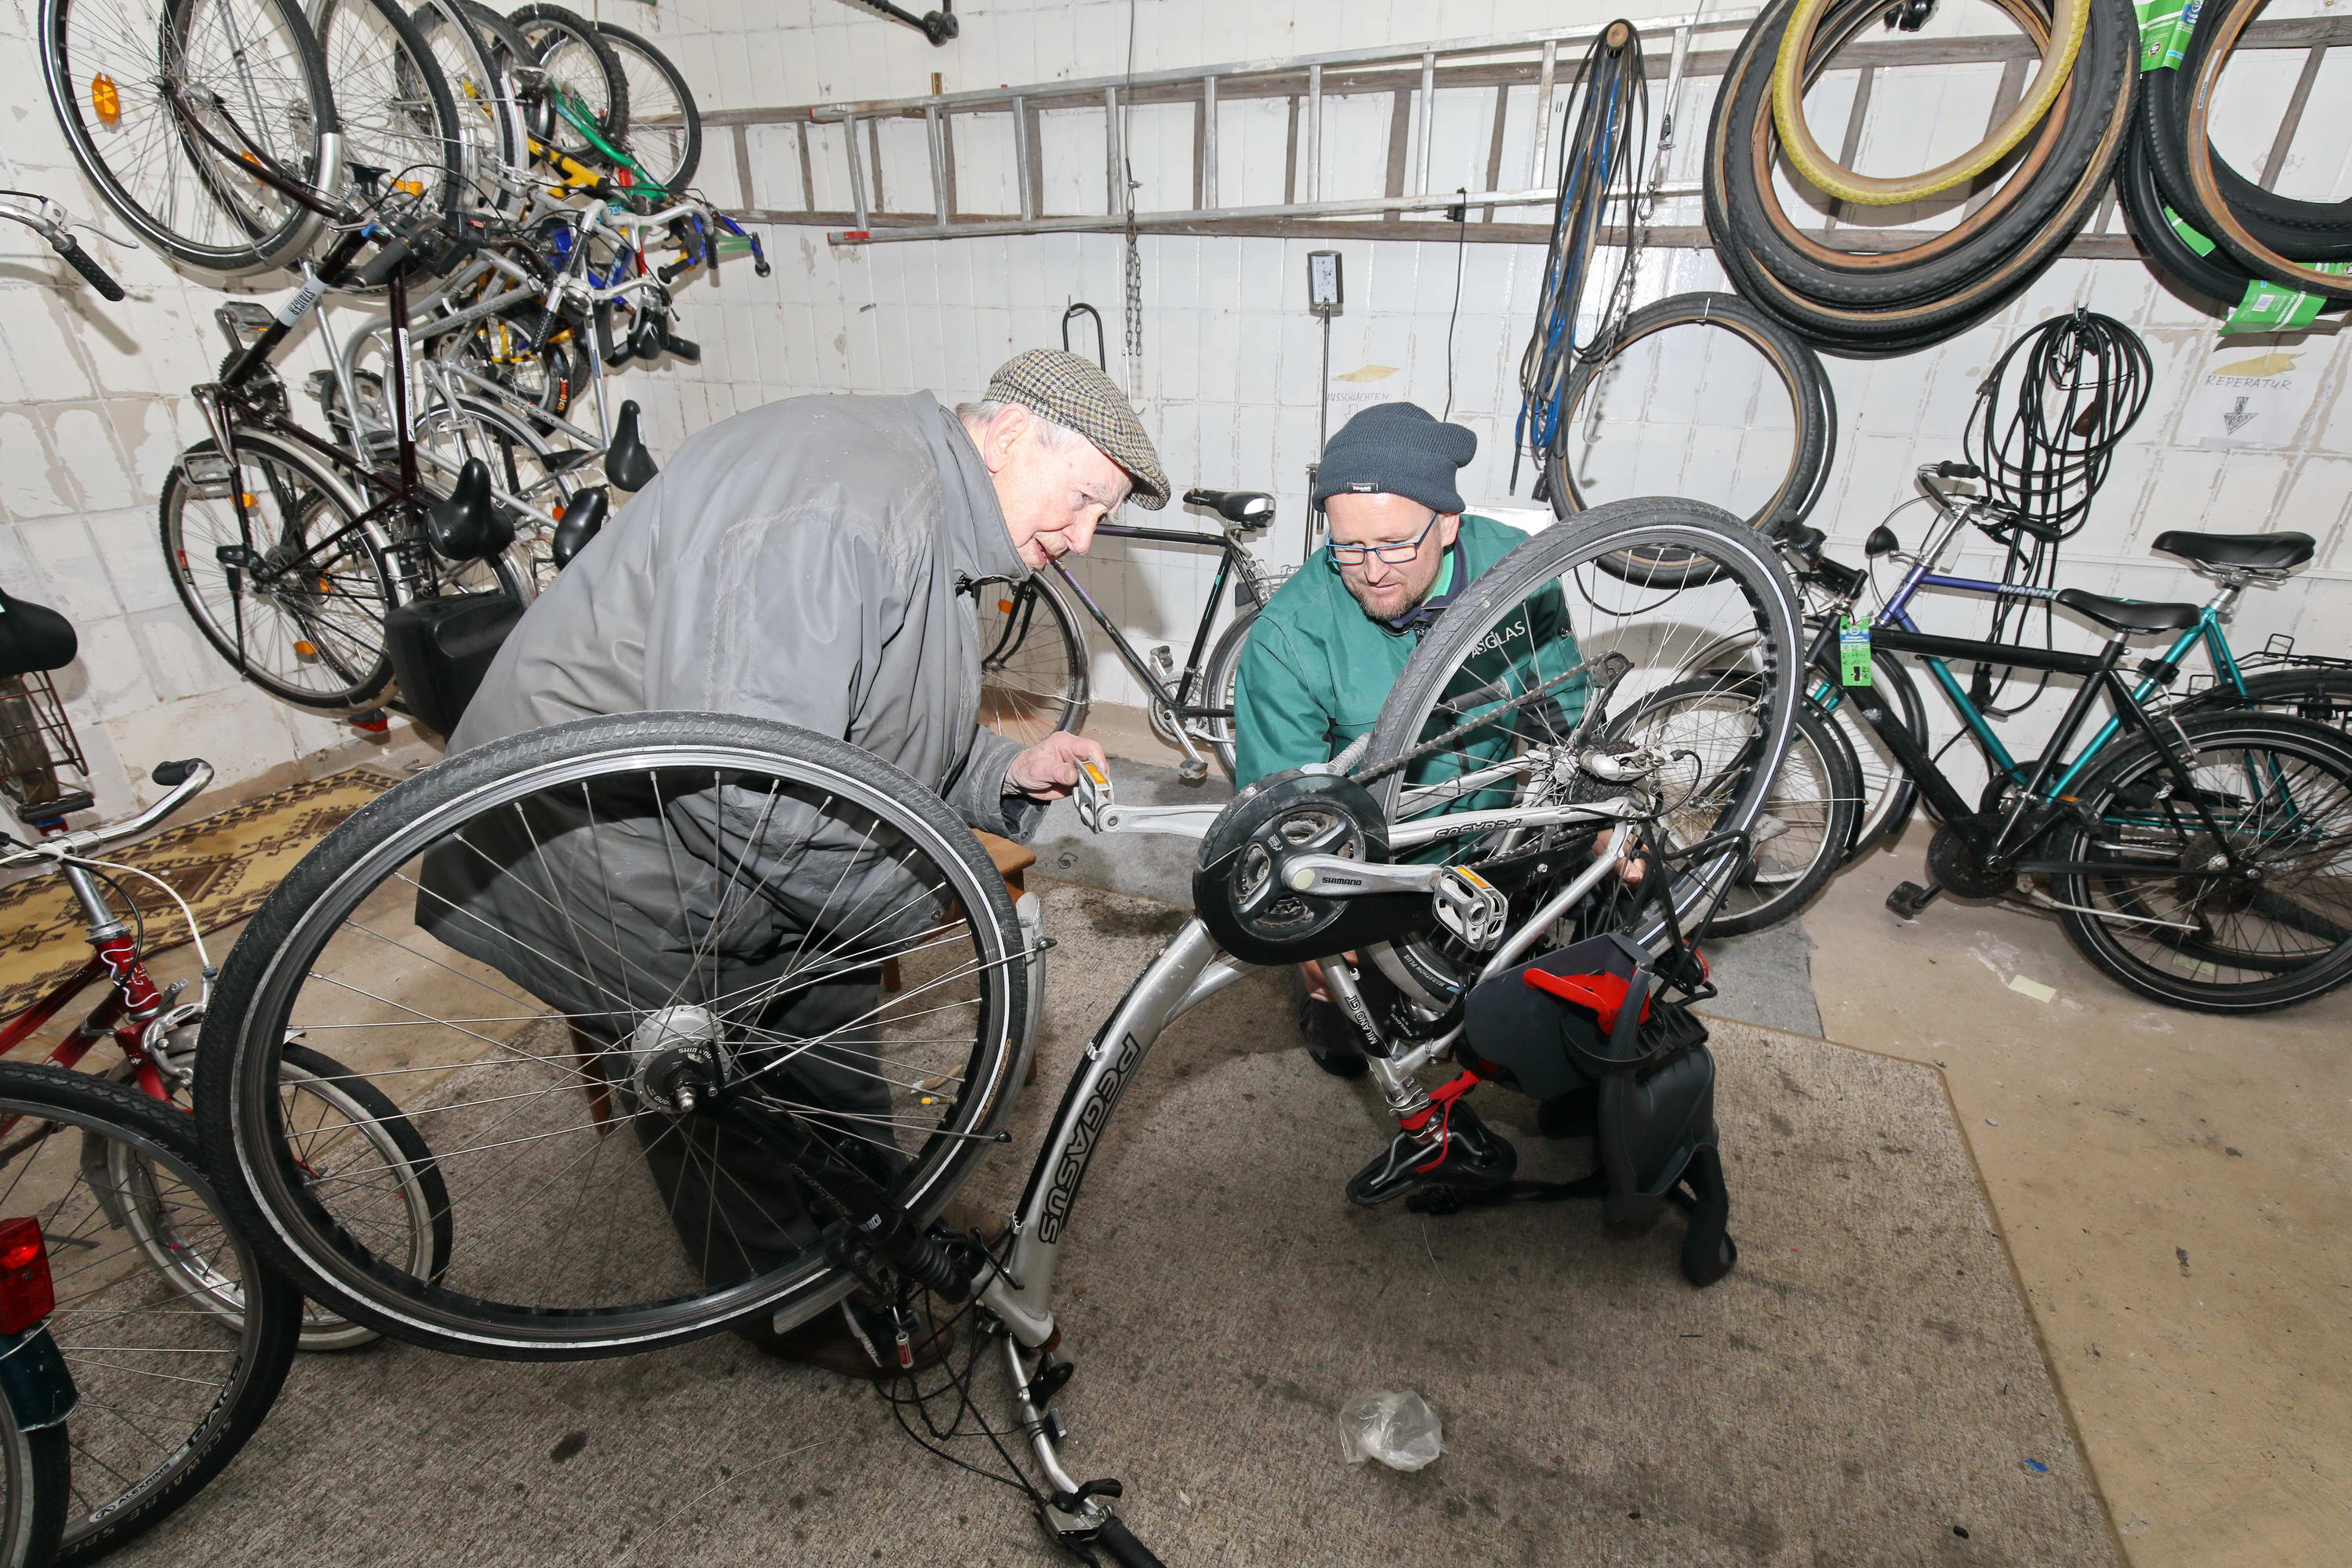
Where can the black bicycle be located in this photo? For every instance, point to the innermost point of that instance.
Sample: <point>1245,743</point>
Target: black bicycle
<point>1033,655</point>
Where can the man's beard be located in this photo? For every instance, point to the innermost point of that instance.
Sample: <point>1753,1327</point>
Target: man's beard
<point>1356,593</point>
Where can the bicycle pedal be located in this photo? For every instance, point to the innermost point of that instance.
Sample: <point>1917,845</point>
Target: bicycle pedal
<point>1909,897</point>
<point>1192,769</point>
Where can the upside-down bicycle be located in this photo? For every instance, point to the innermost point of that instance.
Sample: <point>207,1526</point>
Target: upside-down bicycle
<point>1484,830</point>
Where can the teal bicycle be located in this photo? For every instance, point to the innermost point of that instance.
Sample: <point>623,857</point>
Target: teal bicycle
<point>2200,852</point>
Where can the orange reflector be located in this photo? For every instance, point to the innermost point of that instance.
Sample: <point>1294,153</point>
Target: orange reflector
<point>106,98</point>
<point>556,513</point>
<point>326,585</point>
<point>1003,606</point>
<point>305,650</point>
<point>247,499</point>
<point>411,187</point>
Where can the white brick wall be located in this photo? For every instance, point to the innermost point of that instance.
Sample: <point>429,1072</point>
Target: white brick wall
<point>92,404</point>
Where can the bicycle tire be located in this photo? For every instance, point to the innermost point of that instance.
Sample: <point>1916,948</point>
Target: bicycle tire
<point>355,667</point>
<point>579,61</point>
<point>173,190</point>
<point>2297,230</point>
<point>2009,214</point>
<point>1033,659</point>
<point>2121,799</point>
<point>36,1473</point>
<point>395,104</point>
<point>2216,216</point>
<point>1219,679</point>
<point>119,1493</point>
<point>1815,794</point>
<point>2070,21</point>
<point>556,1298</point>
<point>2217,276</point>
<point>399,1152</point>
<point>1749,582</point>
<point>1890,317</point>
<point>1812,404</point>
<point>669,154</point>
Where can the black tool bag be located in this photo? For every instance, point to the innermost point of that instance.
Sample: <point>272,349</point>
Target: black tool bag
<point>442,647</point>
<point>1589,1015</point>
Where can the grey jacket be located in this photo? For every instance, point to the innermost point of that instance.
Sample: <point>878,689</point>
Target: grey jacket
<point>800,562</point>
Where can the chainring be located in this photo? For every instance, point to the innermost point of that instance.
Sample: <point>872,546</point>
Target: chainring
<point>1241,890</point>
<point>1956,866</point>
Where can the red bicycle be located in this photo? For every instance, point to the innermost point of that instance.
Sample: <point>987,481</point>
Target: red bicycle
<point>349,1139</point>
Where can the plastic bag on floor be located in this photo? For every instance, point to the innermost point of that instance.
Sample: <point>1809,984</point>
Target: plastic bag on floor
<point>1398,1429</point>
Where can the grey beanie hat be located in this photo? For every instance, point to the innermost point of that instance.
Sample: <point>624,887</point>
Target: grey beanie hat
<point>1396,448</point>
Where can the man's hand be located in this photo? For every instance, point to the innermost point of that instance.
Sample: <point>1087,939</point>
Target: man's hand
<point>1049,770</point>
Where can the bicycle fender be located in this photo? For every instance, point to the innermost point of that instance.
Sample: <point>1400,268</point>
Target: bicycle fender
<point>34,1379</point>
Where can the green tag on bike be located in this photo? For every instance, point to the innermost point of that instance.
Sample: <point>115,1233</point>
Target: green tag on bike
<point>1853,652</point>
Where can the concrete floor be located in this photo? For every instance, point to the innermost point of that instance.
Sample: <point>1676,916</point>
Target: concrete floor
<point>2171,1187</point>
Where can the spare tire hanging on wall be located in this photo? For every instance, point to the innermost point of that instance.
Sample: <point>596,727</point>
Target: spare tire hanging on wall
<point>1812,411</point>
<point>1893,301</point>
<point>2271,236</point>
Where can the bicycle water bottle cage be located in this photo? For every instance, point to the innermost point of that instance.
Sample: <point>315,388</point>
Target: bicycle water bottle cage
<point>34,638</point>
<point>1241,885</point>
<point>628,463</point>
<point>465,524</point>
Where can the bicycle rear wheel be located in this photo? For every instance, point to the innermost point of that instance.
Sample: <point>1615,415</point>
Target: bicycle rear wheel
<point>119,72</point>
<point>583,71</point>
<point>2158,913</point>
<point>170,1389</point>
<point>665,127</point>
<point>395,100</point>
<point>589,917</point>
<point>1466,726</point>
<point>1033,659</point>
<point>1218,678</point>
<point>298,608</point>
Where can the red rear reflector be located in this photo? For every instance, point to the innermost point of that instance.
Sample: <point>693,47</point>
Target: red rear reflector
<point>26,1295</point>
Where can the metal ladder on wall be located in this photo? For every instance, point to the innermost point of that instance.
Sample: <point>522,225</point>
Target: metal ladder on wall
<point>1699,45</point>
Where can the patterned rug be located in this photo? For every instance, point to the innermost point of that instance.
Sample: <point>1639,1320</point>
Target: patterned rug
<point>224,866</point>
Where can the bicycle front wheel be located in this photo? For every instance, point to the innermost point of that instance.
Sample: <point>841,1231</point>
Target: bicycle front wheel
<point>295,594</point>
<point>36,1487</point>
<point>170,1390</point>
<point>1489,714</point>
<point>645,984</point>
<point>665,127</point>
<point>1033,659</point>
<point>1809,816</point>
<point>124,78</point>
<point>2231,895</point>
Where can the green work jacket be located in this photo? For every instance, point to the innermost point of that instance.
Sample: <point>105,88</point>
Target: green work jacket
<point>1318,669</point>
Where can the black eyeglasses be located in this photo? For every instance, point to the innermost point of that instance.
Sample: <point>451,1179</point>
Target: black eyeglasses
<point>1394,554</point>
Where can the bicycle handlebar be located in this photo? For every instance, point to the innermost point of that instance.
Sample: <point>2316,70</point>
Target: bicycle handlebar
<point>96,277</point>
<point>186,780</point>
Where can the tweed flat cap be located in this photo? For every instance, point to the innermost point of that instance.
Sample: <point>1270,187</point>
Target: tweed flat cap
<point>1071,391</point>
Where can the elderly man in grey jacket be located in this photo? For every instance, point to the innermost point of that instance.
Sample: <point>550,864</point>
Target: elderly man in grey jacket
<point>810,562</point>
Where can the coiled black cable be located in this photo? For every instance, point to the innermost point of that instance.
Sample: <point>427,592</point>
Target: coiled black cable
<point>2044,429</point>
<point>1603,151</point>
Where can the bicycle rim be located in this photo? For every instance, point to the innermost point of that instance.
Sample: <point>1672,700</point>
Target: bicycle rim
<point>36,1487</point>
<point>1502,641</point>
<point>2279,797</point>
<point>395,101</point>
<point>314,637</point>
<point>256,60</point>
<point>169,1390</point>
<point>745,888</point>
<point>1033,663</point>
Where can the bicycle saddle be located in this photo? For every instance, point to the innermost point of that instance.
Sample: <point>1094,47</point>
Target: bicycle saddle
<point>34,638</point>
<point>583,520</point>
<point>2258,551</point>
<point>1250,509</point>
<point>626,462</point>
<point>2130,615</point>
<point>465,524</point>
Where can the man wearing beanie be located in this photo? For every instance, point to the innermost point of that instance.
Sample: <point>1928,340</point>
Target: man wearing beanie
<point>809,561</point>
<point>1327,647</point>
